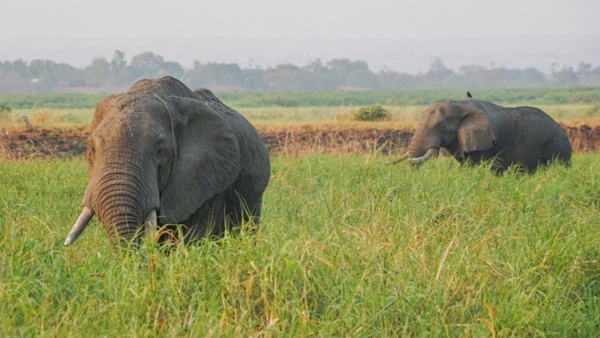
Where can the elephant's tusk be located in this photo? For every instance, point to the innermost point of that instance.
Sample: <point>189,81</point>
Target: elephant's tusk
<point>399,159</point>
<point>82,221</point>
<point>425,157</point>
<point>151,223</point>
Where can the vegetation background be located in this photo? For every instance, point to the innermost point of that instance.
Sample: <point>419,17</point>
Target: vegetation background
<point>283,108</point>
<point>348,246</point>
<point>101,75</point>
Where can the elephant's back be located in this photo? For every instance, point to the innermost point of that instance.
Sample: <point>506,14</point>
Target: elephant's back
<point>240,125</point>
<point>541,129</point>
<point>541,121</point>
<point>162,87</point>
<point>213,101</point>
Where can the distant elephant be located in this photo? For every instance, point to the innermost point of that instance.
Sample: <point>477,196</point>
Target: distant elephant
<point>475,131</point>
<point>161,154</point>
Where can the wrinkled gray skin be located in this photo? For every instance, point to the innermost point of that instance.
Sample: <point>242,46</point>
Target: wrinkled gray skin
<point>476,131</point>
<point>163,154</point>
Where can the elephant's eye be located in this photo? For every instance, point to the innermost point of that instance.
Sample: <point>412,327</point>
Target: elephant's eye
<point>160,152</point>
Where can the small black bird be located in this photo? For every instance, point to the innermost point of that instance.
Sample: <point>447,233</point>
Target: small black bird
<point>469,94</point>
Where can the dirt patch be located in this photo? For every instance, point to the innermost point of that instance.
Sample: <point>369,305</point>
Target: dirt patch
<point>584,138</point>
<point>20,143</point>
<point>297,141</point>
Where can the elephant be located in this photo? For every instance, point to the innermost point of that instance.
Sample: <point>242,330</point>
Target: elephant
<point>161,154</point>
<point>475,131</point>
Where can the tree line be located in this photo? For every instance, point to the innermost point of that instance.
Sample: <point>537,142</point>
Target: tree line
<point>101,75</point>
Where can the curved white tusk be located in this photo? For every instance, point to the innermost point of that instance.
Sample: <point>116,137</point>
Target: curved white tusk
<point>403,157</point>
<point>151,223</point>
<point>82,221</point>
<point>399,159</point>
<point>425,157</point>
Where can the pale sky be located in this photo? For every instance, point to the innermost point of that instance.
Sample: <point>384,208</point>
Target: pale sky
<point>37,29</point>
<point>298,19</point>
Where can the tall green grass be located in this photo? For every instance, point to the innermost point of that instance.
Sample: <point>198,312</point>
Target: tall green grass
<point>348,246</point>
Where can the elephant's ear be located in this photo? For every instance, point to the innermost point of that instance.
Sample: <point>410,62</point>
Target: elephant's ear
<point>207,161</point>
<point>475,133</point>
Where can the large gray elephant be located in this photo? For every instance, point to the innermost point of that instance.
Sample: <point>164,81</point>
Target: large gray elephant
<point>475,131</point>
<point>161,154</point>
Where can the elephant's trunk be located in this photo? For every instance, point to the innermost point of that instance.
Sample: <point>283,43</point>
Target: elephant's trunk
<point>119,212</point>
<point>417,147</point>
<point>122,201</point>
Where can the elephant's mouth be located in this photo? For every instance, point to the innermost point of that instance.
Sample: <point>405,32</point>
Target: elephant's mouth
<point>150,222</point>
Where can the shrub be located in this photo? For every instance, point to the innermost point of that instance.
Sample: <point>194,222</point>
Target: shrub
<point>372,113</point>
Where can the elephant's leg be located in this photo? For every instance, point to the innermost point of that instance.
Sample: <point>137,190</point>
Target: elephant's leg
<point>227,210</point>
<point>246,211</point>
<point>206,222</point>
<point>247,202</point>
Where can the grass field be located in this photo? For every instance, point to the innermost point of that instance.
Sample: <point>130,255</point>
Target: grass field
<point>348,246</point>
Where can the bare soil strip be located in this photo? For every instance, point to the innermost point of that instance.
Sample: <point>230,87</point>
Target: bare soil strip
<point>20,143</point>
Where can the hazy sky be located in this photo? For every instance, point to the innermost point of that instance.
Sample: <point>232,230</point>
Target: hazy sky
<point>298,19</point>
<point>41,29</point>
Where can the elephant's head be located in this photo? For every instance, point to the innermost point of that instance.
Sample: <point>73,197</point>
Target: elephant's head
<point>154,150</point>
<point>457,126</point>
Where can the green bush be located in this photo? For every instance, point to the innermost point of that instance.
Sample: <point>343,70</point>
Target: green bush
<point>372,113</point>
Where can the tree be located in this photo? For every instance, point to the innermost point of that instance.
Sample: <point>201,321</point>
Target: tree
<point>532,77</point>
<point>564,76</point>
<point>97,73</point>
<point>360,76</point>
<point>213,74</point>
<point>352,74</point>
<point>318,76</point>
<point>285,77</point>
<point>392,80</point>
<point>438,67</point>
<point>588,74</point>
<point>118,63</point>
<point>253,78</point>
<point>437,74</point>
<point>149,65</point>
<point>145,65</point>
<point>19,67</point>
<point>50,72</point>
